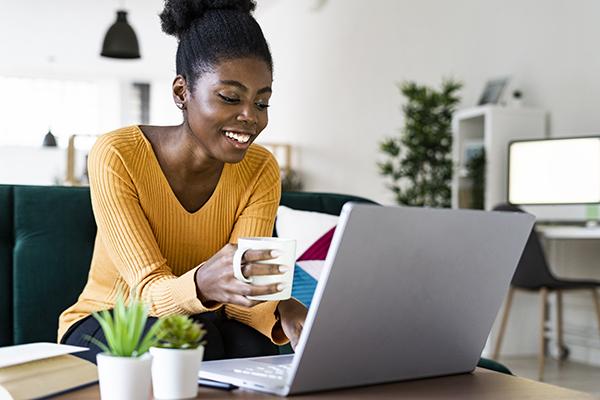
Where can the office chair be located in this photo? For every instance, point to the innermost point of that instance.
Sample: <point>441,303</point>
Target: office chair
<point>533,274</point>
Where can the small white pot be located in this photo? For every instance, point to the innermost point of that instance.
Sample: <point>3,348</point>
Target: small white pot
<point>175,372</point>
<point>126,378</point>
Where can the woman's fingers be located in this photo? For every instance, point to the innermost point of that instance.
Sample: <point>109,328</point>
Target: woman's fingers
<point>263,269</point>
<point>256,290</point>
<point>243,301</point>
<point>251,256</point>
<point>246,289</point>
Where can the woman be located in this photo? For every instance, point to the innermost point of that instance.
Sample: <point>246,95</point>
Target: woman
<point>170,202</point>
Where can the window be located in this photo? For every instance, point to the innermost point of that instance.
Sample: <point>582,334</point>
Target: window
<point>31,106</point>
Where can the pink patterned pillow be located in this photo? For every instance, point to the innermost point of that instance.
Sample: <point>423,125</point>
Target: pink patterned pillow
<point>313,232</point>
<point>312,259</point>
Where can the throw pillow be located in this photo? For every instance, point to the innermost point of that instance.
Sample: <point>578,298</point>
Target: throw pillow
<point>313,232</point>
<point>304,226</point>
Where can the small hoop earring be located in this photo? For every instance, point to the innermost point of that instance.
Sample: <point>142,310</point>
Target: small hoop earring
<point>180,106</point>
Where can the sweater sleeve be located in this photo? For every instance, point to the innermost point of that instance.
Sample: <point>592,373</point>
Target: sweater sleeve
<point>258,219</point>
<point>126,233</point>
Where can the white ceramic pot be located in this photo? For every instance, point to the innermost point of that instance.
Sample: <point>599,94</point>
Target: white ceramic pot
<point>175,372</point>
<point>126,378</point>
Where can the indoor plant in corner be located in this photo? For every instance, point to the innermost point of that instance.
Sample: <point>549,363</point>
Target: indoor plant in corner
<point>177,357</point>
<point>124,367</point>
<point>419,161</point>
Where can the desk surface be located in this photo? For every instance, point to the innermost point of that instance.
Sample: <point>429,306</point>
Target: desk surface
<point>569,232</point>
<point>482,384</point>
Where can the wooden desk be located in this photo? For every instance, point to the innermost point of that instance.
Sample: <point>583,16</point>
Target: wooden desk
<point>573,253</point>
<point>482,385</point>
<point>569,232</point>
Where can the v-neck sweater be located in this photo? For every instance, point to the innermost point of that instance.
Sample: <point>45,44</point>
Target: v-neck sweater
<point>148,243</point>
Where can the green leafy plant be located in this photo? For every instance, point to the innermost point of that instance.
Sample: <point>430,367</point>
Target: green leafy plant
<point>476,172</point>
<point>123,328</point>
<point>180,332</point>
<point>419,162</point>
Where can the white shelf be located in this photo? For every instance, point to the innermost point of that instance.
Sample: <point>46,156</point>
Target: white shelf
<point>491,127</point>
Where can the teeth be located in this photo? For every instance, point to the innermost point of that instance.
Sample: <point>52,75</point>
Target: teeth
<point>240,137</point>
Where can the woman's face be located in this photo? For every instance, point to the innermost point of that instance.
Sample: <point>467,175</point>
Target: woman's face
<point>227,108</point>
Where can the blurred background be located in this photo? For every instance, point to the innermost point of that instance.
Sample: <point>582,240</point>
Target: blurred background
<point>337,64</point>
<point>338,67</point>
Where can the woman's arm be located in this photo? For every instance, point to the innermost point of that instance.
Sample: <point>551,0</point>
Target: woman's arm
<point>128,237</point>
<point>258,219</point>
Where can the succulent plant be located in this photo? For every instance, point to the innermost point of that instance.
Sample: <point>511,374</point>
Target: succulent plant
<point>123,328</point>
<point>180,332</point>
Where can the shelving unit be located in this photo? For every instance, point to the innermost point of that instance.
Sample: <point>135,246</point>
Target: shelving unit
<point>491,128</point>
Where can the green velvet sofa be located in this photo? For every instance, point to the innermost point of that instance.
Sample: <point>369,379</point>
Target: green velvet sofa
<point>46,241</point>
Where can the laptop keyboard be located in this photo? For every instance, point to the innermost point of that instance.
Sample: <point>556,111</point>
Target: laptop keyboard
<point>278,372</point>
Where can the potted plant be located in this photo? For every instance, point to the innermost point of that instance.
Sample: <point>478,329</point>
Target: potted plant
<point>177,356</point>
<point>418,161</point>
<point>124,367</point>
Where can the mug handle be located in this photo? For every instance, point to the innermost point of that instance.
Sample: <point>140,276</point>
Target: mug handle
<point>237,264</point>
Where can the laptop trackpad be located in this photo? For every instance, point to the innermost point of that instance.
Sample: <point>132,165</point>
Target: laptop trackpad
<point>275,360</point>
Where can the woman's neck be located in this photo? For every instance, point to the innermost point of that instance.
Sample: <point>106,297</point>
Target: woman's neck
<point>191,174</point>
<point>180,153</point>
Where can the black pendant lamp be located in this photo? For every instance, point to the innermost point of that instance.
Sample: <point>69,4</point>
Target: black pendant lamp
<point>49,140</point>
<point>120,40</point>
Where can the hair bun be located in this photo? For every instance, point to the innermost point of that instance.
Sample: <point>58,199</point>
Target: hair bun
<point>178,15</point>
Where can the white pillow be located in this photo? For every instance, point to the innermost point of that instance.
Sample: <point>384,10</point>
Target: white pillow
<point>304,226</point>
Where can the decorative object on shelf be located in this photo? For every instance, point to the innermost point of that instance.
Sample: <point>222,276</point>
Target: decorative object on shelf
<point>592,215</point>
<point>49,140</point>
<point>71,179</point>
<point>120,40</point>
<point>493,91</point>
<point>419,161</point>
<point>517,98</point>
<point>475,166</point>
<point>124,367</point>
<point>291,181</point>
<point>177,357</point>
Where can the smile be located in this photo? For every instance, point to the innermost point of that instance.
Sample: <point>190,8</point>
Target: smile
<point>238,137</point>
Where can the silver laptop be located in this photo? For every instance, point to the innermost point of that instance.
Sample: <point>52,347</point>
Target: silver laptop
<point>405,293</point>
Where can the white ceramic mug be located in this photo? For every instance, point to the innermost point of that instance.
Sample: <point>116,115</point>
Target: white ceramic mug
<point>287,258</point>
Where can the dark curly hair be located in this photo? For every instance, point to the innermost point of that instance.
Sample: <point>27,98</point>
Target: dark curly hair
<point>210,31</point>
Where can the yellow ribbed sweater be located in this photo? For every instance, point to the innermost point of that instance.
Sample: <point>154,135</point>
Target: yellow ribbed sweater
<point>146,240</point>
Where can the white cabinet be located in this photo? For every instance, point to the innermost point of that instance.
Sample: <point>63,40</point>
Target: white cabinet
<point>490,127</point>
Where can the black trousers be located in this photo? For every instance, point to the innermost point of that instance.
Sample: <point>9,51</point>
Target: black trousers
<point>225,338</point>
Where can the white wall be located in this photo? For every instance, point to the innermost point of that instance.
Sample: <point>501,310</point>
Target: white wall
<point>36,165</point>
<point>336,70</point>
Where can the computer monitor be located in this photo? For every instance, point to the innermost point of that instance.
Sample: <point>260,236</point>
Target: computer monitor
<point>560,171</point>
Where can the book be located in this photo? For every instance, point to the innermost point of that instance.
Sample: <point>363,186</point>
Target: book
<point>35,370</point>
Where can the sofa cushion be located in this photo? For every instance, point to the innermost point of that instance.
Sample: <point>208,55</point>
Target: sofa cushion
<point>309,267</point>
<point>54,239</point>
<point>6,245</point>
<point>309,218</point>
<point>312,231</point>
<point>305,227</point>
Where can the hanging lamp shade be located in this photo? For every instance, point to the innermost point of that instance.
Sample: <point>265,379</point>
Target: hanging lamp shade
<point>120,40</point>
<point>49,140</point>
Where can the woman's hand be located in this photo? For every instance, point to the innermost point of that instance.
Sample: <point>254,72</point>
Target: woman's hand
<point>292,314</point>
<point>215,281</point>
